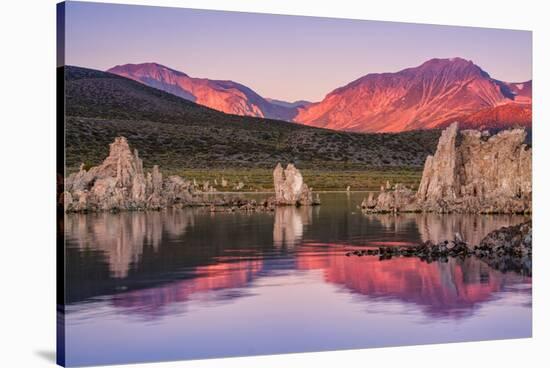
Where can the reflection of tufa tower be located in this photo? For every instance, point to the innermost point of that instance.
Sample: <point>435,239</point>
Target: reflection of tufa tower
<point>437,228</point>
<point>288,227</point>
<point>472,228</point>
<point>121,237</point>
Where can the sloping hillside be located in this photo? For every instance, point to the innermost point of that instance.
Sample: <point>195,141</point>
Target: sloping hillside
<point>222,95</point>
<point>176,133</point>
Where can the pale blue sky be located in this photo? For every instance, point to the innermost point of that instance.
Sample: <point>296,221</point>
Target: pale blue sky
<point>284,57</point>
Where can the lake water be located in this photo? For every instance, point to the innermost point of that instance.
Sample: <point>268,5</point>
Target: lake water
<point>188,284</point>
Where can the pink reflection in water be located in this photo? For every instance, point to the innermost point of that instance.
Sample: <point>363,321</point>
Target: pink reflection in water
<point>210,278</point>
<point>444,289</point>
<point>452,289</point>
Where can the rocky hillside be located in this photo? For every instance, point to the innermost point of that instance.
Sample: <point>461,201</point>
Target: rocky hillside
<point>226,96</point>
<point>494,118</point>
<point>431,95</point>
<point>175,133</point>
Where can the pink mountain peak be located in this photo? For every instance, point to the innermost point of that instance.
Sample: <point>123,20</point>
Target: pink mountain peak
<point>223,95</point>
<point>423,97</point>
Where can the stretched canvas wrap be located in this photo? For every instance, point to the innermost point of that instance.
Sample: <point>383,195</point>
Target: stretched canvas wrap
<point>236,184</point>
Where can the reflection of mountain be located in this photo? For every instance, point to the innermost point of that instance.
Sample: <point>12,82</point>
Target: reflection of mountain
<point>150,261</point>
<point>442,289</point>
<point>208,279</point>
<point>288,227</point>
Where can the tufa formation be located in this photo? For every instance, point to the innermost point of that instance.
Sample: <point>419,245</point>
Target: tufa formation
<point>121,184</point>
<point>290,188</point>
<point>470,172</point>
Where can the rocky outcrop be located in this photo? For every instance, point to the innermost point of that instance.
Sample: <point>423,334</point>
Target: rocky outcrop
<point>480,173</point>
<point>290,188</point>
<point>470,172</point>
<point>506,249</point>
<point>120,183</point>
<point>397,199</point>
<point>369,203</point>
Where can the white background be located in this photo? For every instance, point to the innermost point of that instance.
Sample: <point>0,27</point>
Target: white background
<point>27,180</point>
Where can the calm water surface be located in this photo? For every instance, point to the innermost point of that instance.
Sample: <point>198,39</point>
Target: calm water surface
<point>184,284</point>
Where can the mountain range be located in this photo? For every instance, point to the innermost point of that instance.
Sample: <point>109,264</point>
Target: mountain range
<point>432,95</point>
<point>222,95</point>
<point>176,133</point>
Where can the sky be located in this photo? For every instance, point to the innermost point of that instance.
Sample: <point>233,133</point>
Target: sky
<point>279,56</point>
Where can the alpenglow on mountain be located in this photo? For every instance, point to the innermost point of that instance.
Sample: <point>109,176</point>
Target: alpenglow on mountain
<point>432,95</point>
<point>226,96</point>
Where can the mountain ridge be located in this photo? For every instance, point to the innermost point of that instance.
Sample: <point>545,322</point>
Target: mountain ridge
<point>428,96</point>
<point>222,95</point>
<point>423,97</point>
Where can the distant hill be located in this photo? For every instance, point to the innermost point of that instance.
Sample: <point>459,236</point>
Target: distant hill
<point>176,133</point>
<point>295,104</point>
<point>428,96</point>
<point>226,96</point>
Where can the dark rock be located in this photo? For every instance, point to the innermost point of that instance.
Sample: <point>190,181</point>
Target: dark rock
<point>506,249</point>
